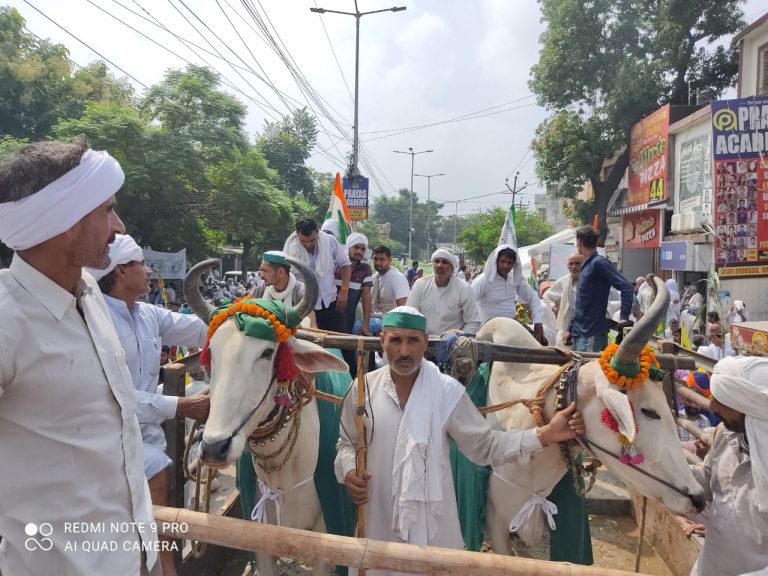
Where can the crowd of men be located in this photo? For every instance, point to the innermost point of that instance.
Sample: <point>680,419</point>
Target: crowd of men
<point>80,354</point>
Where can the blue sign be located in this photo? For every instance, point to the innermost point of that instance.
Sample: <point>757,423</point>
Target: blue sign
<point>740,128</point>
<point>356,195</point>
<point>674,255</point>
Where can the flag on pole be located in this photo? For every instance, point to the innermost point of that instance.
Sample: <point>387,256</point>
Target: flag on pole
<point>508,234</point>
<point>338,211</point>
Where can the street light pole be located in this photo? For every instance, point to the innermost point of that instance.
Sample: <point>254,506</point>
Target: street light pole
<point>429,197</point>
<point>410,207</point>
<point>357,14</point>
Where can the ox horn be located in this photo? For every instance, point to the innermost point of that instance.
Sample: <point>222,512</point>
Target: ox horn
<point>634,342</point>
<point>199,305</point>
<point>311,289</point>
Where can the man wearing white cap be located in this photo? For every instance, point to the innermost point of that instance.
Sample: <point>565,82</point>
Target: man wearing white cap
<point>735,471</point>
<point>408,486</point>
<point>447,301</point>
<point>143,329</point>
<point>67,406</point>
<point>360,282</point>
<point>502,285</point>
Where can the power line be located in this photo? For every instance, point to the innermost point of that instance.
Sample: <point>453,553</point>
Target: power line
<point>86,45</point>
<point>338,65</point>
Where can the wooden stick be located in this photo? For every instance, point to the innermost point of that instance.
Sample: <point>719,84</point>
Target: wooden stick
<point>690,395</point>
<point>693,430</point>
<point>639,554</point>
<point>344,551</point>
<point>361,438</point>
<point>500,352</point>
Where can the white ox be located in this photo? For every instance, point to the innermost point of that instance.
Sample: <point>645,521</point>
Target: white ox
<point>642,414</point>
<point>242,389</point>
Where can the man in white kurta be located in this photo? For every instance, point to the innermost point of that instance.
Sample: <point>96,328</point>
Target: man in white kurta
<point>561,297</point>
<point>411,412</point>
<point>446,300</point>
<point>734,474</point>
<point>499,288</point>
<point>68,427</point>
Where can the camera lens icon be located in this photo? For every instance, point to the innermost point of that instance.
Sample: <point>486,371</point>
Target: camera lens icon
<point>38,536</point>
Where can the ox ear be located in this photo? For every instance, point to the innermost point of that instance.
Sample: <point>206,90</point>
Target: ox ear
<point>618,405</point>
<point>312,358</point>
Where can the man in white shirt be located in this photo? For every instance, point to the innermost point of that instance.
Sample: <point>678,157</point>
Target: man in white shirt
<point>390,289</point>
<point>447,301</point>
<point>408,487</point>
<point>67,406</point>
<point>323,253</point>
<point>143,329</point>
<point>561,297</point>
<point>499,288</point>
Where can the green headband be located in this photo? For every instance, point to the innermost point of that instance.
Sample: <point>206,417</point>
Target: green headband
<point>404,320</point>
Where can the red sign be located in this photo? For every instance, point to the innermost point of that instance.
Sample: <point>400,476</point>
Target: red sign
<point>642,229</point>
<point>648,159</point>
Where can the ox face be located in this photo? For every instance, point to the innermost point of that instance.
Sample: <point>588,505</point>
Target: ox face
<point>241,379</point>
<point>643,416</point>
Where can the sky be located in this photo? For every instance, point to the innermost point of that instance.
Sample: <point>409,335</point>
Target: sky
<point>444,75</point>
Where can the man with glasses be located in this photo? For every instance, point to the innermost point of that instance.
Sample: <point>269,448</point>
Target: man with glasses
<point>561,297</point>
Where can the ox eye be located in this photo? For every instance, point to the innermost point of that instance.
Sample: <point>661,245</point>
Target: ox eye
<point>267,354</point>
<point>650,413</point>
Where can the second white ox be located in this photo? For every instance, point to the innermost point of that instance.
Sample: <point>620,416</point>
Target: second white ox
<point>642,414</point>
<point>242,388</point>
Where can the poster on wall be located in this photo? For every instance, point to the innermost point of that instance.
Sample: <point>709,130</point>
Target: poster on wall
<point>739,132</point>
<point>169,265</point>
<point>648,158</point>
<point>641,229</point>
<point>695,172</point>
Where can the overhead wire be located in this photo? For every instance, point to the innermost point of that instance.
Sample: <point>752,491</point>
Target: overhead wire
<point>338,64</point>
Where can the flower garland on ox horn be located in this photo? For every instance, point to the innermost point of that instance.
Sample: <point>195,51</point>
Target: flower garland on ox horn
<point>627,376</point>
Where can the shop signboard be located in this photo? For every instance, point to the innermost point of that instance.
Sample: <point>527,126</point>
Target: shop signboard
<point>648,159</point>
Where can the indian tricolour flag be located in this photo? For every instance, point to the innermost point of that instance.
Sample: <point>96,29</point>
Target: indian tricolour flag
<point>508,234</point>
<point>338,211</point>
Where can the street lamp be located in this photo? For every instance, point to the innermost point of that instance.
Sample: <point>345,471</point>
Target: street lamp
<point>429,196</point>
<point>410,208</point>
<point>357,14</point>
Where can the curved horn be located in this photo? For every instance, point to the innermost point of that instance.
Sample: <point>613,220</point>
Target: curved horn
<point>199,305</point>
<point>311,289</point>
<point>638,337</point>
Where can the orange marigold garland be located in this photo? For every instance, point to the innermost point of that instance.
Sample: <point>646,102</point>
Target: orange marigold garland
<point>647,362</point>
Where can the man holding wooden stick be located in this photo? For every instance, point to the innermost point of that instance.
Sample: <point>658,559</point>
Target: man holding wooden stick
<point>410,412</point>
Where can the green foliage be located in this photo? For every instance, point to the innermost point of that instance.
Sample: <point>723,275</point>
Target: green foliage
<point>375,238</point>
<point>396,211</point>
<point>606,64</point>
<point>481,233</point>
<point>9,145</point>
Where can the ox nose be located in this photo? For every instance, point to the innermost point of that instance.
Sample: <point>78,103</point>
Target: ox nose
<point>699,501</point>
<point>216,451</point>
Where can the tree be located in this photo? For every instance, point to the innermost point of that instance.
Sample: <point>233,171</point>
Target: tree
<point>606,64</point>
<point>396,211</point>
<point>375,237</point>
<point>481,233</point>
<point>287,145</point>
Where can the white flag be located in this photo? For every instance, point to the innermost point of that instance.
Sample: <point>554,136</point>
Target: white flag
<point>508,234</point>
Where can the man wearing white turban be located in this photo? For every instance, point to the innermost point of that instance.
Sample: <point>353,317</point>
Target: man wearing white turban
<point>735,471</point>
<point>67,407</point>
<point>143,329</point>
<point>446,300</point>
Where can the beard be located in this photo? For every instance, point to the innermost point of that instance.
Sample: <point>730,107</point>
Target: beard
<point>404,370</point>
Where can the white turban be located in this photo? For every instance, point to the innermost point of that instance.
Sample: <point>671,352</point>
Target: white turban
<point>448,255</point>
<point>741,383</point>
<point>61,204</point>
<point>331,226</point>
<point>122,251</point>
<point>356,238</point>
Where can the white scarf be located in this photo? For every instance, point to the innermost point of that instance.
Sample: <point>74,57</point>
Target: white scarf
<point>286,296</point>
<point>294,249</point>
<point>61,204</point>
<point>567,302</point>
<point>742,384</point>
<point>490,274</point>
<point>418,468</point>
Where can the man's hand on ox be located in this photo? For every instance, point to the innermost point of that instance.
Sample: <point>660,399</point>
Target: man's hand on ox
<point>357,487</point>
<point>565,425</point>
<point>195,407</point>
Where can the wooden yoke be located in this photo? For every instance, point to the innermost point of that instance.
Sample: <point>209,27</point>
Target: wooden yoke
<point>362,440</point>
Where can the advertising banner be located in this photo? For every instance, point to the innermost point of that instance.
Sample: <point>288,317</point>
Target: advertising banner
<point>356,194</point>
<point>739,132</point>
<point>642,229</point>
<point>648,158</point>
<point>695,171</point>
<point>170,265</point>
<point>674,255</point>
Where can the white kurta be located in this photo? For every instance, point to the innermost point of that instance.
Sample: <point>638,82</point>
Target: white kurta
<point>562,293</point>
<point>736,532</point>
<point>452,307</point>
<point>466,426</point>
<point>69,432</point>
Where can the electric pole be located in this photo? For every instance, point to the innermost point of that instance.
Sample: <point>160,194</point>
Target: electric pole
<point>410,208</point>
<point>429,197</point>
<point>514,190</point>
<point>357,14</point>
